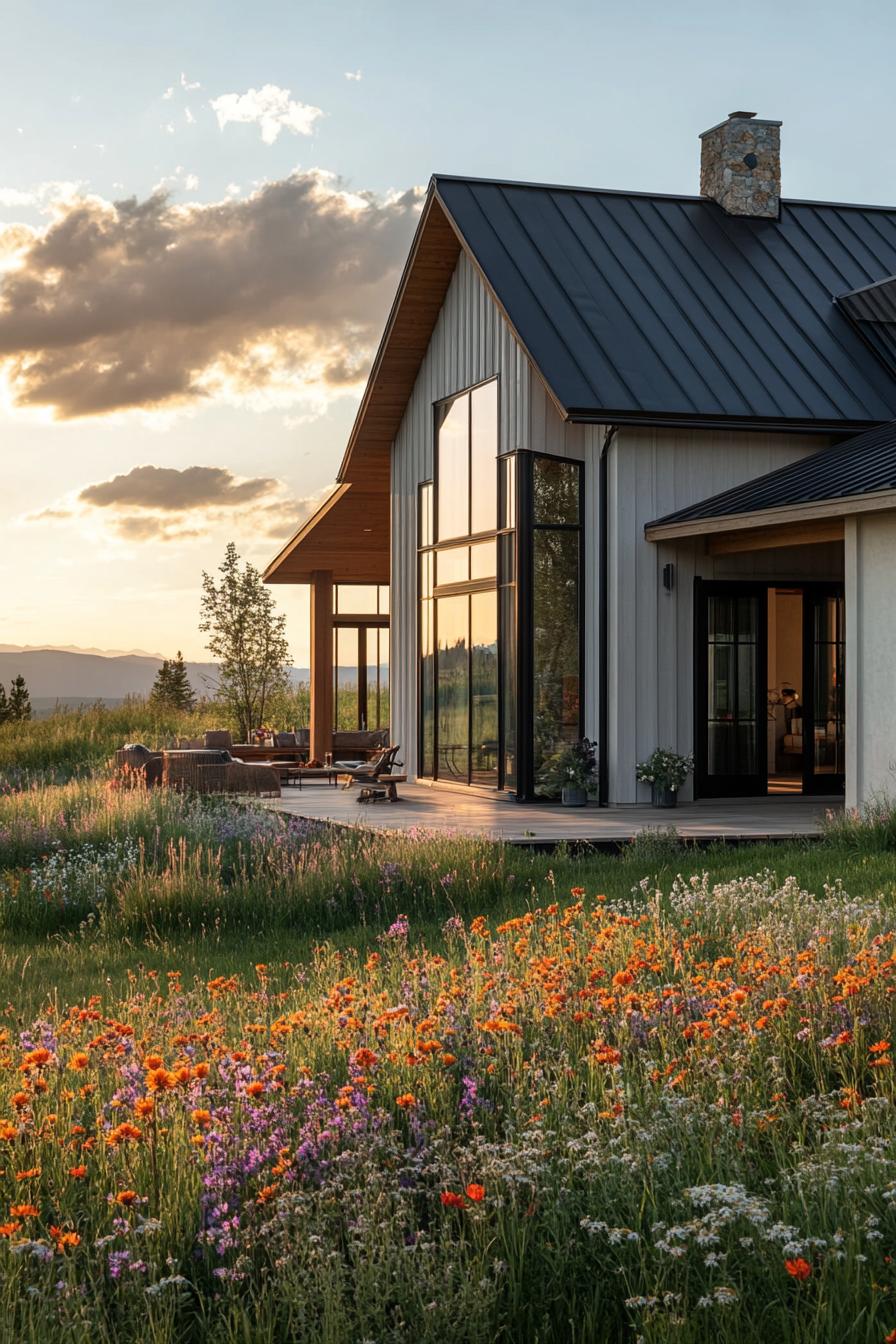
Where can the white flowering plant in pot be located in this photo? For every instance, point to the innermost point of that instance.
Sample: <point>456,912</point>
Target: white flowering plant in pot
<point>569,773</point>
<point>665,771</point>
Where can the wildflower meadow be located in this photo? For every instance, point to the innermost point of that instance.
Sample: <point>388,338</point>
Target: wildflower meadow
<point>263,1081</point>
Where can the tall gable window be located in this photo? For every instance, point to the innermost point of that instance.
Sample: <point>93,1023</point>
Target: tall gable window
<point>466,463</point>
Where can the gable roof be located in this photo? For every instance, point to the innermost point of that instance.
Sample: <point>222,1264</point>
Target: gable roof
<point>665,308</point>
<point>862,470</point>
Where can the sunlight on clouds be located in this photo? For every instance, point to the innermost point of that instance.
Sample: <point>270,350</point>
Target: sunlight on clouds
<point>270,108</point>
<point>168,504</point>
<point>275,299</point>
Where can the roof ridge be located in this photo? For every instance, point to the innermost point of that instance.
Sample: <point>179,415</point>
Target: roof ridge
<point>644,195</point>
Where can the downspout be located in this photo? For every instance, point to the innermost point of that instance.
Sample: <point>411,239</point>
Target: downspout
<point>603,621</point>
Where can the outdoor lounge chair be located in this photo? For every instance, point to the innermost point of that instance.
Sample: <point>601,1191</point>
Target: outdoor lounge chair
<point>376,771</point>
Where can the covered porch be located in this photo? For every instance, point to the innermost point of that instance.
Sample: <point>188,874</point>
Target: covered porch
<point>342,554</point>
<point>832,696</point>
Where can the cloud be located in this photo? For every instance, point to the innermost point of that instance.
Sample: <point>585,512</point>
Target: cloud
<point>270,108</point>
<point>354,75</point>
<point>150,503</point>
<point>187,84</point>
<point>173,489</point>
<point>274,299</point>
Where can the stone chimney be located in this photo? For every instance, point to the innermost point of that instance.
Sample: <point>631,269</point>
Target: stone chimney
<point>740,165</point>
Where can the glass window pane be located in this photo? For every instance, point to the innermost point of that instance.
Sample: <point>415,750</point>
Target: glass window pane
<point>484,688</point>
<point>828,685</point>
<point>424,515</point>
<point>484,560</point>
<point>453,455</point>
<point>345,674</point>
<point>555,619</point>
<point>507,544</point>
<point>356,599</point>
<point>484,457</point>
<point>508,595</point>
<point>384,599</point>
<point>507,516</point>
<point>555,490</point>
<point>453,566</point>
<point>427,690</point>
<point>427,565</point>
<point>453,688</point>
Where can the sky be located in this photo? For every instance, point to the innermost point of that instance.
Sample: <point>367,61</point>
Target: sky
<point>205,207</point>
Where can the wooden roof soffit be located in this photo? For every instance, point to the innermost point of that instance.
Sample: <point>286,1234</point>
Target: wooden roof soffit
<point>347,536</point>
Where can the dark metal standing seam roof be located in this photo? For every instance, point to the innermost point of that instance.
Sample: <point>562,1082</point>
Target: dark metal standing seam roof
<point>859,466</point>
<point>636,306</point>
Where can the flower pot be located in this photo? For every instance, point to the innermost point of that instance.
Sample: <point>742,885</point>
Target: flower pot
<point>661,796</point>
<point>571,796</point>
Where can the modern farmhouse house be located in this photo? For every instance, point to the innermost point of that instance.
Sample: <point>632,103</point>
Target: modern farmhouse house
<point>625,468</point>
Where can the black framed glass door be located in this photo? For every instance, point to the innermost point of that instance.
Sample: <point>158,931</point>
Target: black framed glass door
<point>824,708</point>
<point>731,631</point>
<point>757,731</point>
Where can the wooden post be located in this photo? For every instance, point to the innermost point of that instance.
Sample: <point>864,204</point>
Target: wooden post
<point>321,663</point>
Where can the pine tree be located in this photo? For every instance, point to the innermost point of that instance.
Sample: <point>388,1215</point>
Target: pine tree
<point>180,692</point>
<point>171,688</point>
<point>161,687</point>
<point>19,704</point>
<point>4,705</point>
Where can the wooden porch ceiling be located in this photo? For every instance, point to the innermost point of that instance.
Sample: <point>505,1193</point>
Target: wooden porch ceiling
<point>349,536</point>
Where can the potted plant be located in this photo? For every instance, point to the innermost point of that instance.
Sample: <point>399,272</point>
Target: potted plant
<point>665,771</point>
<point>569,771</point>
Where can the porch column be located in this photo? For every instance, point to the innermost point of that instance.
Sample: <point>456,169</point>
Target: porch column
<point>321,662</point>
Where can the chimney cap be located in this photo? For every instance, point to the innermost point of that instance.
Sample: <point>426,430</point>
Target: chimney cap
<point>741,116</point>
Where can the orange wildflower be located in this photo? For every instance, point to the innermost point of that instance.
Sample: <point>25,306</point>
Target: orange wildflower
<point>79,1060</point>
<point>27,1175</point>
<point>23,1211</point>
<point>407,1101</point>
<point>77,1173</point>
<point>9,1229</point>
<point>64,1240</point>
<point>798,1268</point>
<point>160,1080</point>
<point>476,1193</point>
<point>126,1198</point>
<point>451,1200</point>
<point>255,1089</point>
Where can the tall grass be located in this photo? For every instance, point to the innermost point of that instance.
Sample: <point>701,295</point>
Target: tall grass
<point>74,742</point>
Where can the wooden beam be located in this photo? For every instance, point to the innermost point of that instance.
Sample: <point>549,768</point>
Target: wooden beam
<point>321,663</point>
<point>768,538</point>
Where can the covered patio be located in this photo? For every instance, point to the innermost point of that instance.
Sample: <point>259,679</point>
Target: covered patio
<point>474,812</point>
<point>342,553</point>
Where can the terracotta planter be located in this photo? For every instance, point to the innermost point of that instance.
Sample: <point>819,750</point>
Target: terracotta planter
<point>661,796</point>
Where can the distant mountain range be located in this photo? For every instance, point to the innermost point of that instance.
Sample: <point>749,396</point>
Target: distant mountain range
<point>69,676</point>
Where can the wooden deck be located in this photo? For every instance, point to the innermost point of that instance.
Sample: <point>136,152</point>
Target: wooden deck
<point>472,813</point>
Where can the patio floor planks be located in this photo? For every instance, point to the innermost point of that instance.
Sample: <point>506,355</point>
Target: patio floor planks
<point>472,813</point>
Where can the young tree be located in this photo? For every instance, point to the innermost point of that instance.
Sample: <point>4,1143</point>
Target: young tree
<point>171,688</point>
<point>19,704</point>
<point>247,639</point>
<point>4,705</point>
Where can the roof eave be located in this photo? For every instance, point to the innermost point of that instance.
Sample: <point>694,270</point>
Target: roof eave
<point>844,506</point>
